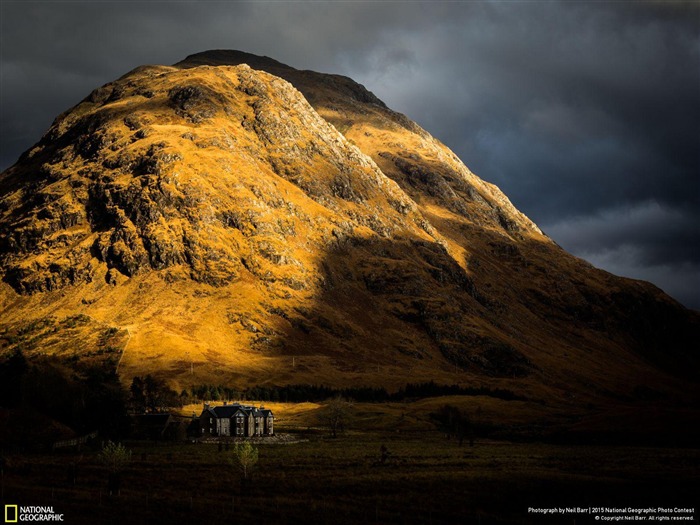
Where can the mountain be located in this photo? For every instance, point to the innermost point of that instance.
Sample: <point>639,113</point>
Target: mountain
<point>233,220</point>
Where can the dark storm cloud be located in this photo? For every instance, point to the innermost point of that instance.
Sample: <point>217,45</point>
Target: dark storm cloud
<point>586,114</point>
<point>648,240</point>
<point>662,235</point>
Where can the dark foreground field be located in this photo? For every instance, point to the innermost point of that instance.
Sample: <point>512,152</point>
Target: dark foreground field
<point>426,479</point>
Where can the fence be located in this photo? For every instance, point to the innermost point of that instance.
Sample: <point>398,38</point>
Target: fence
<point>75,441</point>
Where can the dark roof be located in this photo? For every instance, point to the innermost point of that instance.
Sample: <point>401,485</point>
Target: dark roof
<point>227,411</point>
<point>149,422</point>
<point>152,419</point>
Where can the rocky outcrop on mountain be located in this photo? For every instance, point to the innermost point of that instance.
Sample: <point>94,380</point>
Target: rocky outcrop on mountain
<point>231,213</point>
<point>133,204</point>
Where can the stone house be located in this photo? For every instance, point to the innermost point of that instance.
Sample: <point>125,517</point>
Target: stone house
<point>236,420</point>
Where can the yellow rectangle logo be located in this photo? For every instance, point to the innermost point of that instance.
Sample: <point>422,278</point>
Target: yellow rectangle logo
<point>9,513</point>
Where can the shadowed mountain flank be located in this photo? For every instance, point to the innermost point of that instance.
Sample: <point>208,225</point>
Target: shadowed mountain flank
<point>238,221</point>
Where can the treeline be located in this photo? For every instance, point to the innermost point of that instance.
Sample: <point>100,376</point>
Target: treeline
<point>364,394</point>
<point>432,389</point>
<point>41,396</point>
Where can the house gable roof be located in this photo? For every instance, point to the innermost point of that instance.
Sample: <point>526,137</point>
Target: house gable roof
<point>153,420</point>
<point>228,411</point>
<point>225,411</point>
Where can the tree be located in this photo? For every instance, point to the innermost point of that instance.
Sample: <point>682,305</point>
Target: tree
<point>456,423</point>
<point>383,454</point>
<point>153,390</point>
<point>335,415</point>
<point>138,398</point>
<point>244,459</point>
<point>115,457</point>
<point>12,375</point>
<point>152,394</point>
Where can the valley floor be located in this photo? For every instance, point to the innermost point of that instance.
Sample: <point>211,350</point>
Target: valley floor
<point>425,479</point>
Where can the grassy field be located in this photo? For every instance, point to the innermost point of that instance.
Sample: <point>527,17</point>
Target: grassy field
<point>427,478</point>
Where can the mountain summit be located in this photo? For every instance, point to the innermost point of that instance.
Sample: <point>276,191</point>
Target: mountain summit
<point>233,220</point>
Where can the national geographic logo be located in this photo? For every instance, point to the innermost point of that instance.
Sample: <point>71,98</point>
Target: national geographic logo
<point>17,514</point>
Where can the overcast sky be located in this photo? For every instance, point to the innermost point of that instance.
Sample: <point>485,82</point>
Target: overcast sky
<point>586,114</point>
